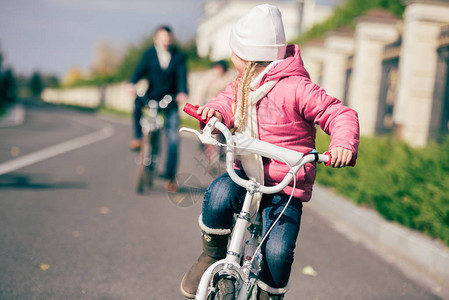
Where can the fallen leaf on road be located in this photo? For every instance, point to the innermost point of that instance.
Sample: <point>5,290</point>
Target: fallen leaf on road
<point>104,210</point>
<point>308,270</point>
<point>80,170</point>
<point>15,151</point>
<point>44,267</point>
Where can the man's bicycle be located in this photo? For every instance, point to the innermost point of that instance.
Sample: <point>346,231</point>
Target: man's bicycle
<point>151,123</point>
<point>235,276</point>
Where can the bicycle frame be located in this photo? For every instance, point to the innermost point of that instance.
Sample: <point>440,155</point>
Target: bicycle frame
<point>246,274</point>
<point>151,123</point>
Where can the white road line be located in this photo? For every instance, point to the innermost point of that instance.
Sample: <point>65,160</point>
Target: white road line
<point>55,150</point>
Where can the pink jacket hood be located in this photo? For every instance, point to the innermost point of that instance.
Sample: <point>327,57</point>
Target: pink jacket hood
<point>292,65</point>
<point>287,116</point>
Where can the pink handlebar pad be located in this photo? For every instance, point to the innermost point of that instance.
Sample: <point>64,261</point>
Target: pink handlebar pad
<point>351,163</point>
<point>191,109</point>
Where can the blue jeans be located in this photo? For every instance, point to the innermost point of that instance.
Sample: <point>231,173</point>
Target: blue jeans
<point>224,197</point>
<point>172,135</point>
<point>171,131</point>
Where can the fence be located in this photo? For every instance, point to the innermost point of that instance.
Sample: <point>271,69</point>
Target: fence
<point>396,74</point>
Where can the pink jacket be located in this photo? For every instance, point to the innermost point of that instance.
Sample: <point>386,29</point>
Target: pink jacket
<point>287,116</point>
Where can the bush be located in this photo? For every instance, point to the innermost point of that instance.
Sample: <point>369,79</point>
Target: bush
<point>406,185</point>
<point>346,14</point>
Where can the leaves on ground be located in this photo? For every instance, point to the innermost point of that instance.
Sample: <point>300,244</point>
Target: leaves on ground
<point>44,267</point>
<point>309,271</point>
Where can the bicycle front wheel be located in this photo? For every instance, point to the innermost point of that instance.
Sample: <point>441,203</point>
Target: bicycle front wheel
<point>225,289</point>
<point>144,168</point>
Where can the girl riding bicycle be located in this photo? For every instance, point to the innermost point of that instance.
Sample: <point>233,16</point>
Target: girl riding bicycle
<point>274,100</point>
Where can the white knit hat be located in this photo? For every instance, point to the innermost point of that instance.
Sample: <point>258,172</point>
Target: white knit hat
<point>259,35</point>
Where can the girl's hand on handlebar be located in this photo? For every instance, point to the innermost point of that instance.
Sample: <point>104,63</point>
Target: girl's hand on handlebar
<point>340,157</point>
<point>207,112</point>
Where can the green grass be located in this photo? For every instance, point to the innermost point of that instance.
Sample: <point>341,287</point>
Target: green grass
<point>406,185</point>
<point>114,112</point>
<point>190,123</point>
<point>2,110</point>
<point>184,121</point>
<point>345,15</point>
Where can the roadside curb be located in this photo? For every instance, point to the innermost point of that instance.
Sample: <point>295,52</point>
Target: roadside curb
<point>420,258</point>
<point>14,116</point>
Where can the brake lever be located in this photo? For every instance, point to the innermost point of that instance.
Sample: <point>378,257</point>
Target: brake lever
<point>206,136</point>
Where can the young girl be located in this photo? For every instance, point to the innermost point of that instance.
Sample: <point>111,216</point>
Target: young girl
<point>274,100</point>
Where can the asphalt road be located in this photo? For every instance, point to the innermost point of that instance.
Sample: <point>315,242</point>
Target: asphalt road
<point>72,226</point>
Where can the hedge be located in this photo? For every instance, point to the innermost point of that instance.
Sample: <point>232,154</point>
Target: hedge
<point>406,185</point>
<point>346,14</point>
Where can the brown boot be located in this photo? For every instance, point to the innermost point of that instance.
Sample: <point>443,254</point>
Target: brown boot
<point>171,186</point>
<point>214,249</point>
<point>135,145</point>
<point>264,295</point>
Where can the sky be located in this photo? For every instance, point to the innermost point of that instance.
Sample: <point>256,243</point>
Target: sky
<point>52,36</point>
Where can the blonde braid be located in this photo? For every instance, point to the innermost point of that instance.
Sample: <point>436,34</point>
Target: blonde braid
<point>235,89</point>
<point>247,78</point>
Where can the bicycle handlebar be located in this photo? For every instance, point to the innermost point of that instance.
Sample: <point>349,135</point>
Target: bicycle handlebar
<point>163,103</point>
<point>241,145</point>
<point>191,110</point>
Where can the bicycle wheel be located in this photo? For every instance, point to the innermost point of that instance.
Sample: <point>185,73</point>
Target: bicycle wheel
<point>144,172</point>
<point>225,289</point>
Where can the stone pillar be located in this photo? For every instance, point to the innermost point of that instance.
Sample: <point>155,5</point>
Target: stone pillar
<point>312,54</point>
<point>374,31</point>
<point>440,111</point>
<point>339,46</point>
<point>417,69</point>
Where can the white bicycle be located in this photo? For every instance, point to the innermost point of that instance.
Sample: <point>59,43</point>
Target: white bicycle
<point>235,276</point>
<point>151,123</point>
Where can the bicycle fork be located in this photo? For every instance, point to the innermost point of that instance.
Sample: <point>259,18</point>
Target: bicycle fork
<point>238,233</point>
<point>245,275</point>
<point>252,260</point>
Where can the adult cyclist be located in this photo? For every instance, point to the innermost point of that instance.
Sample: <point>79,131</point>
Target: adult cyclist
<point>164,66</point>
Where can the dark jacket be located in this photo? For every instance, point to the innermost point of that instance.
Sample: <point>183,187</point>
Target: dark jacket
<point>172,80</point>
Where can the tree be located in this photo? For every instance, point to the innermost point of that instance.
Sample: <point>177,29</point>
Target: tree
<point>51,81</point>
<point>194,61</point>
<point>346,14</point>
<point>73,76</point>
<point>8,86</point>
<point>36,84</point>
<point>107,58</point>
<point>132,58</point>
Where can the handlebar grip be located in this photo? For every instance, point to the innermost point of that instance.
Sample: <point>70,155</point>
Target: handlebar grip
<point>191,109</point>
<point>351,163</point>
